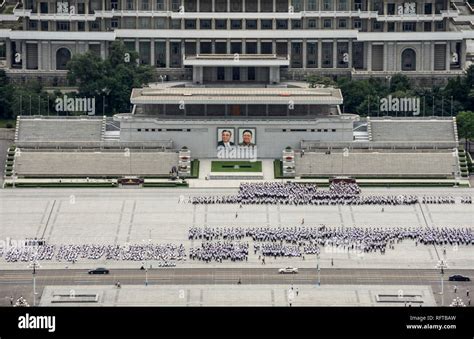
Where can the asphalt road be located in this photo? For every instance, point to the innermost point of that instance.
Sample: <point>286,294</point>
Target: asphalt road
<point>20,282</point>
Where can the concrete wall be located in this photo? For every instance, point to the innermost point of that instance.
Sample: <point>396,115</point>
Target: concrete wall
<point>201,138</point>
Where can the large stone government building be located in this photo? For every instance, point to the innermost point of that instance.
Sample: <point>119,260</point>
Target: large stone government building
<point>429,39</point>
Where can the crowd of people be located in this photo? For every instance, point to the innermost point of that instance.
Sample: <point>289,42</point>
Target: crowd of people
<point>72,253</point>
<point>219,251</point>
<point>299,241</point>
<point>340,193</point>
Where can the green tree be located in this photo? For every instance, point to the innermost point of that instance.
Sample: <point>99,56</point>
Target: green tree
<point>112,79</point>
<point>465,124</point>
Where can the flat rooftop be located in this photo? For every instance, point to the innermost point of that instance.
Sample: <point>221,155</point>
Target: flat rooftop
<point>205,95</point>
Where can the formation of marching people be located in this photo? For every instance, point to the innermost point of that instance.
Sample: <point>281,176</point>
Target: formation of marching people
<point>220,251</point>
<point>230,243</point>
<point>72,253</point>
<point>340,193</point>
<point>273,242</point>
<point>467,199</point>
<point>337,236</point>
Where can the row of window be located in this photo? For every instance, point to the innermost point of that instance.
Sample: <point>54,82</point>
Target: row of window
<point>319,130</point>
<point>263,24</point>
<point>238,6</point>
<point>160,130</point>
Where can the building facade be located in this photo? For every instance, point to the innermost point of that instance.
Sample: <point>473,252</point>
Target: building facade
<point>430,39</point>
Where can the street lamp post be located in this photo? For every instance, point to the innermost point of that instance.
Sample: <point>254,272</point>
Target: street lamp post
<point>442,265</point>
<point>319,271</point>
<point>146,262</point>
<point>34,265</point>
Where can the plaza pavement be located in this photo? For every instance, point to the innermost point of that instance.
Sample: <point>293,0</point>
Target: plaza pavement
<point>243,295</point>
<point>102,216</point>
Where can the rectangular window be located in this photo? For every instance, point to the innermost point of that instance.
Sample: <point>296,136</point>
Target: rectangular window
<point>377,26</point>
<point>160,5</point>
<point>205,24</point>
<point>251,47</point>
<point>221,24</point>
<point>357,24</point>
<point>282,24</point>
<point>327,23</point>
<point>327,5</point>
<point>266,47</point>
<point>266,24</point>
<point>252,6</point>
<point>221,47</point>
<point>342,23</point>
<point>33,25</point>
<point>62,26</point>
<point>176,24</point>
<point>327,52</point>
<point>409,26</point>
<point>312,23</point>
<point>251,74</point>
<point>175,5</point>
<point>342,6</point>
<point>312,5</point>
<point>221,6</point>
<point>206,47</point>
<point>190,24</point>
<point>236,47</point>
<point>236,24</point>
<point>440,26</point>
<point>251,24</point>
<point>295,24</point>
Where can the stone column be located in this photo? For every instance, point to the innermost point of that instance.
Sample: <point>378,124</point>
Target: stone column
<point>369,56</point>
<point>40,57</point>
<point>349,51</point>
<point>198,7</point>
<point>8,48</point>
<point>320,53</point>
<point>432,56</point>
<point>213,4</point>
<point>334,54</point>
<point>167,53</point>
<point>258,6</point>
<point>305,54</point>
<point>152,52</point>
<point>385,59</point>
<point>448,55</point>
<point>23,54</point>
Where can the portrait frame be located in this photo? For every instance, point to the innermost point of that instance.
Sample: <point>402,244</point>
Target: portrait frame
<point>253,131</point>
<point>219,131</point>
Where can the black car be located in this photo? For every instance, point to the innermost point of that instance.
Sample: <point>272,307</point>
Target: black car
<point>99,270</point>
<point>459,277</point>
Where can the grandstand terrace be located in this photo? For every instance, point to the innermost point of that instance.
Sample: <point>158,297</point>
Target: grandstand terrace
<point>410,130</point>
<point>377,164</point>
<point>30,163</point>
<point>70,129</point>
